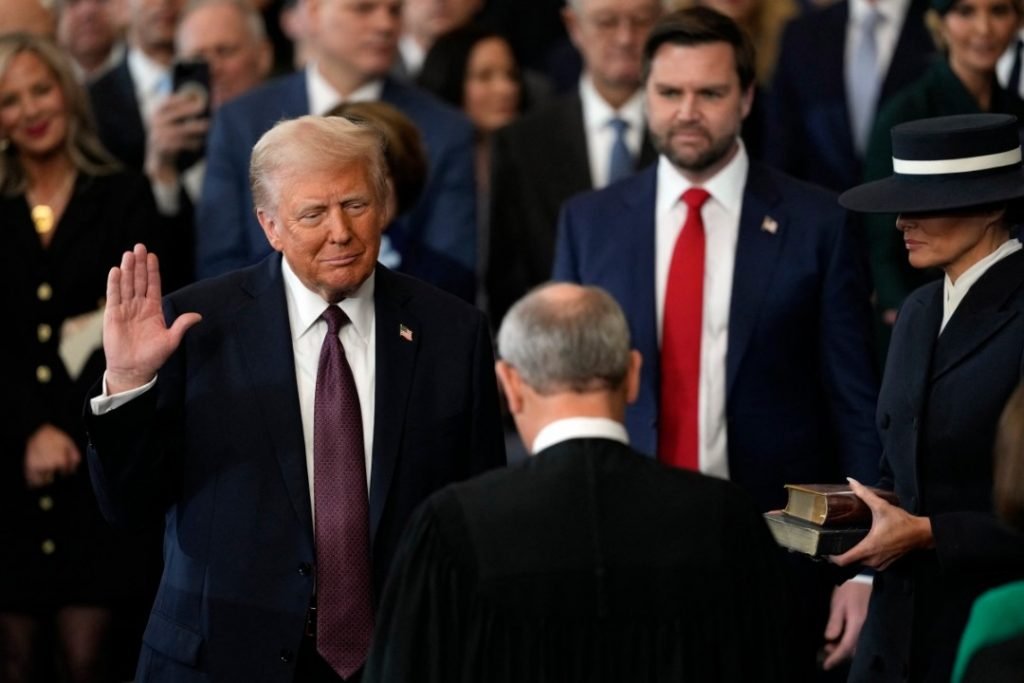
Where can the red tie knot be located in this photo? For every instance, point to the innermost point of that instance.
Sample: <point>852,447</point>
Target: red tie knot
<point>695,197</point>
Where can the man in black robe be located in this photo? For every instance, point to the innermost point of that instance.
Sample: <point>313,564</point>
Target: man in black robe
<point>590,561</point>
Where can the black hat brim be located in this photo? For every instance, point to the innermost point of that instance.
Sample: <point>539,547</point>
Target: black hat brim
<point>920,194</point>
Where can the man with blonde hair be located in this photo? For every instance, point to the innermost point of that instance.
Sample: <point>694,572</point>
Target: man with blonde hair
<point>315,400</point>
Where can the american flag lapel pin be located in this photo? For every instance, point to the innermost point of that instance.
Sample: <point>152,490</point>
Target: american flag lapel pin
<point>770,225</point>
<point>404,332</point>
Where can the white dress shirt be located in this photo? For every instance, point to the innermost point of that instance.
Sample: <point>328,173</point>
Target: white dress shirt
<point>1005,65</point>
<point>953,294</point>
<point>307,334</point>
<point>887,33</point>
<point>721,214</point>
<point>359,341</point>
<point>579,428</point>
<point>412,55</point>
<point>323,97</point>
<point>597,114</point>
<point>152,83</point>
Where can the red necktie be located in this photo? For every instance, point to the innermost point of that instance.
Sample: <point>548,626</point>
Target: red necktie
<point>344,620</point>
<point>678,427</point>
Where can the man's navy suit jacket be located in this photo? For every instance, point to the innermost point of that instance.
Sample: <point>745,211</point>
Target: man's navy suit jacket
<point>808,130</point>
<point>217,446</point>
<point>801,385</point>
<point>436,239</point>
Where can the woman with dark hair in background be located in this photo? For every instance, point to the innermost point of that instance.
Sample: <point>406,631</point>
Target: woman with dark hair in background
<point>68,213</point>
<point>474,69</point>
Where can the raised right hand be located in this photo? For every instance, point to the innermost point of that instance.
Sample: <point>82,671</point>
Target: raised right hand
<point>136,340</point>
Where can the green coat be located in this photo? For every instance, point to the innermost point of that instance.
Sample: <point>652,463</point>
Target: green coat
<point>997,616</point>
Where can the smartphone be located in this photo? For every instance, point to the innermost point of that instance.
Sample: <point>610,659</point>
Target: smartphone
<point>192,75</point>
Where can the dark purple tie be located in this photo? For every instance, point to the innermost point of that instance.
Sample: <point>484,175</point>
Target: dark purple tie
<point>344,623</point>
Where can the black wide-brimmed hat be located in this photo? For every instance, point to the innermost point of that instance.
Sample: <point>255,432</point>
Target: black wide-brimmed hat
<point>944,163</point>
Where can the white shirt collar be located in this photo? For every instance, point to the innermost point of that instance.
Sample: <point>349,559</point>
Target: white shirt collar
<point>953,294</point>
<point>323,97</point>
<point>412,54</point>
<point>305,306</point>
<point>726,187</point>
<point>597,112</point>
<point>891,10</point>
<point>149,76</point>
<point>579,428</point>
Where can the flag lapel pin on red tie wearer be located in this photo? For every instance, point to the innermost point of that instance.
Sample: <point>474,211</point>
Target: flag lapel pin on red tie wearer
<point>770,225</point>
<point>404,332</point>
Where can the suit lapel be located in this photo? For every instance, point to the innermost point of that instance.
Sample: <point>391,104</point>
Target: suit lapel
<point>570,134</point>
<point>757,252</point>
<point>911,358</point>
<point>263,333</point>
<point>980,315</point>
<point>833,60</point>
<point>396,360</point>
<point>639,196</point>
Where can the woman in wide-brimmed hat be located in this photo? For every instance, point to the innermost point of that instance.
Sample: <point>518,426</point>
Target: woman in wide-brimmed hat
<point>957,354</point>
<point>971,35</point>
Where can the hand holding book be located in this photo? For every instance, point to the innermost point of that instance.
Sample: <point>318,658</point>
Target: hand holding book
<point>894,532</point>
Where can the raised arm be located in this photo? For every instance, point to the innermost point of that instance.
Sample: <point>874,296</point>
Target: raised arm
<point>136,339</point>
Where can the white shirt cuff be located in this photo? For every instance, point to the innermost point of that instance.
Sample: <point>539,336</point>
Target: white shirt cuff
<point>104,403</point>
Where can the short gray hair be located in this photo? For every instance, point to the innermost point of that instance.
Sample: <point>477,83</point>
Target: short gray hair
<point>563,337</point>
<point>311,144</point>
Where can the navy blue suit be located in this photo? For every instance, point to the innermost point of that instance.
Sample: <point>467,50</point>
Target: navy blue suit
<point>800,381</point>
<point>436,239</point>
<point>807,131</point>
<point>217,446</point>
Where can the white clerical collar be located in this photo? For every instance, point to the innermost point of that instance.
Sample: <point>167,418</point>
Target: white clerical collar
<point>725,187</point>
<point>413,54</point>
<point>305,306</point>
<point>323,97</point>
<point>954,293</point>
<point>579,428</point>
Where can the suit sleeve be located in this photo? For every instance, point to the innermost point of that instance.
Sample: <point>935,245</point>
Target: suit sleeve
<point>848,365</point>
<point>488,442</point>
<point>783,136</point>
<point>132,450</point>
<point>438,240</point>
<point>222,215</point>
<point>566,268</point>
<point>507,277</point>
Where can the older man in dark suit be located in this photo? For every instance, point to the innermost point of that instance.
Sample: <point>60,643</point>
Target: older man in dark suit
<point>289,435</point>
<point>581,141</point>
<point>589,562</point>
<point>357,45</point>
<point>745,290</point>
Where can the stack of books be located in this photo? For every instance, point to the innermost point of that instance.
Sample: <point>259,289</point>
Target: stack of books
<point>822,519</point>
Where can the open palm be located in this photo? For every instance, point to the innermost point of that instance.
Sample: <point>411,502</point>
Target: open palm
<point>136,339</point>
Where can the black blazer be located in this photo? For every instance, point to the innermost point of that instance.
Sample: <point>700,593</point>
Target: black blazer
<point>118,117</point>
<point>218,447</point>
<point>537,163</point>
<point>589,562</point>
<point>937,412</point>
<point>807,130</point>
